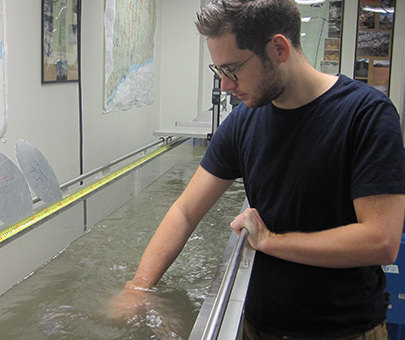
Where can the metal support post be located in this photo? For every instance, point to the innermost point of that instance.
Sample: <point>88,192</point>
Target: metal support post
<point>216,104</point>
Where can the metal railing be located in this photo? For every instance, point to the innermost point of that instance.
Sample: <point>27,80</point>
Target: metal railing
<point>114,162</point>
<point>110,164</point>
<point>221,301</point>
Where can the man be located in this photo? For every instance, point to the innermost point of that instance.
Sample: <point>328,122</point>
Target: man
<point>323,165</point>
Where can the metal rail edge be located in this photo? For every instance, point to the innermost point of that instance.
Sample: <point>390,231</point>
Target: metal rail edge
<point>221,301</point>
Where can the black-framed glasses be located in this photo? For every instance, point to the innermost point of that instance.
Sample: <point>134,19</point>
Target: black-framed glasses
<point>225,70</point>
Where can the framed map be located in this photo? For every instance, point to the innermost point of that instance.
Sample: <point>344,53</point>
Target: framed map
<point>129,44</point>
<point>60,40</point>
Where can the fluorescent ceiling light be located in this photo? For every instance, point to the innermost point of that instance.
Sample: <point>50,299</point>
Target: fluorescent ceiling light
<point>309,2</point>
<point>306,19</point>
<point>379,9</point>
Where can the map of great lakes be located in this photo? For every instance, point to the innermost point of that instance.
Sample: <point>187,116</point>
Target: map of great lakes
<point>129,35</point>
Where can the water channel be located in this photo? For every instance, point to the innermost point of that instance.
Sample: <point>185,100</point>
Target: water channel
<point>67,297</point>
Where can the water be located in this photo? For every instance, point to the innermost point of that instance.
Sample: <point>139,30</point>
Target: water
<point>67,298</point>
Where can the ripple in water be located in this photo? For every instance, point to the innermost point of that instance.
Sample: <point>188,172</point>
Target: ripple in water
<point>67,298</point>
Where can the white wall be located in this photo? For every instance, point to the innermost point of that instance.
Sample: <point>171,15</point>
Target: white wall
<point>206,77</point>
<point>44,115</point>
<point>48,115</point>
<point>108,136</point>
<point>180,50</point>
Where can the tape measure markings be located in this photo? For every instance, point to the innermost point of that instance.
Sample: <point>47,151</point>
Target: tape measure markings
<point>40,215</point>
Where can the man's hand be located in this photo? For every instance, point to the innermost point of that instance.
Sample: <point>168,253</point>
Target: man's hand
<point>129,303</point>
<point>158,310</point>
<point>251,220</point>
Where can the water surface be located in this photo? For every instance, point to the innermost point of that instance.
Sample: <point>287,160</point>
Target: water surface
<point>66,299</point>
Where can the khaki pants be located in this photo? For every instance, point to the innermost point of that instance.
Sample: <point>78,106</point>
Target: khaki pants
<point>251,333</point>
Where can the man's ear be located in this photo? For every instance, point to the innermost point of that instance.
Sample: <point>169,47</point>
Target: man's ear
<point>279,47</point>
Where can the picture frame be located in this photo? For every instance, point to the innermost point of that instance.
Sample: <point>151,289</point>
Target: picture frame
<point>60,37</point>
<point>374,39</point>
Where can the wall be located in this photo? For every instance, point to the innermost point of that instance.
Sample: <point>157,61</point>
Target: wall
<point>48,115</point>
<point>109,136</point>
<point>180,50</point>
<point>44,115</point>
<point>315,32</point>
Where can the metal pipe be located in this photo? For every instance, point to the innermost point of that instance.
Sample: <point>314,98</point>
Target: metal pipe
<point>114,162</point>
<point>216,105</point>
<point>221,301</point>
<point>101,168</point>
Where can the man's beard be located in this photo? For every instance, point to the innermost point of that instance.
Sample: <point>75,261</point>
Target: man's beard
<point>270,87</point>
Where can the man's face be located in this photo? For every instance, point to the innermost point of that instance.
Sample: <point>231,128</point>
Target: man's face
<point>258,82</point>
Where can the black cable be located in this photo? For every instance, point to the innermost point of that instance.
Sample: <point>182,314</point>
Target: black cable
<point>79,63</point>
<point>320,38</point>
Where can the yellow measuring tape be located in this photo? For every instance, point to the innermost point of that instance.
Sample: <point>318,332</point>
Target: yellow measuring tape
<point>35,218</point>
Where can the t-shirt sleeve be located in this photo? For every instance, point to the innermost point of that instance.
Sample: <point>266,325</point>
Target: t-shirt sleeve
<point>378,153</point>
<point>221,158</point>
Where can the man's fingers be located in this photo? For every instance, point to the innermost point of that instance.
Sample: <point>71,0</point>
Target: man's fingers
<point>244,220</point>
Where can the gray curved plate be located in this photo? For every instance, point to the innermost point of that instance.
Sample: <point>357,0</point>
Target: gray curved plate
<point>15,195</point>
<point>38,172</point>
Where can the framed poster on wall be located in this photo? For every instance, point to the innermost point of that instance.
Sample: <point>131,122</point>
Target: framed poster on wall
<point>374,43</point>
<point>59,40</point>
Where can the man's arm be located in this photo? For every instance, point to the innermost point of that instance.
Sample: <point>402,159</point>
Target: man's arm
<point>169,239</point>
<point>180,221</point>
<point>374,240</point>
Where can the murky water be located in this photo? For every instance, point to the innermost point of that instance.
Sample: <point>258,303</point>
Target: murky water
<point>67,298</point>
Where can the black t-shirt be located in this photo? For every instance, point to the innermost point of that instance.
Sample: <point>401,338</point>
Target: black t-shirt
<point>302,169</point>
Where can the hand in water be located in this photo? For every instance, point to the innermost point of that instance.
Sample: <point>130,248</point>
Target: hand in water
<point>168,313</point>
<point>130,302</point>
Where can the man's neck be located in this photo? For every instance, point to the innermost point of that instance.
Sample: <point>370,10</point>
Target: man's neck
<point>303,85</point>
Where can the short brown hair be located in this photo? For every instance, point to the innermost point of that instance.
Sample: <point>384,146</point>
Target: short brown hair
<point>253,22</point>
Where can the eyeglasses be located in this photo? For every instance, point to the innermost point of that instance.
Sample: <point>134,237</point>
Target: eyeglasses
<point>225,70</point>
